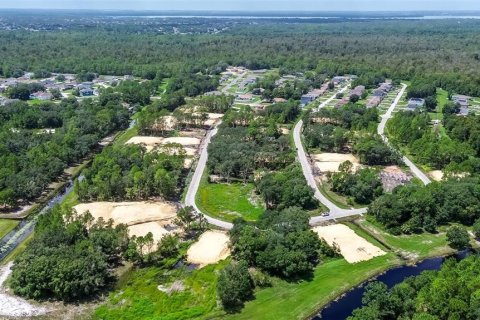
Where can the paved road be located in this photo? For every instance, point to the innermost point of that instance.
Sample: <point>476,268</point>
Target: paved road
<point>381,131</point>
<point>195,183</point>
<point>232,83</point>
<point>335,211</point>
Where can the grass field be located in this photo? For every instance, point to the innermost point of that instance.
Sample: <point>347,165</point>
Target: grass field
<point>6,226</point>
<point>138,296</point>
<point>414,247</point>
<point>228,201</point>
<point>299,300</point>
<point>337,199</point>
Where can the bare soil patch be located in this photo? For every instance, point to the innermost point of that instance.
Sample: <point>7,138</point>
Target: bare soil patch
<point>149,142</point>
<point>130,213</point>
<point>436,175</point>
<point>329,162</point>
<point>352,247</point>
<point>211,248</point>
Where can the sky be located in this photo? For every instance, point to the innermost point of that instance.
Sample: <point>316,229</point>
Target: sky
<point>250,5</point>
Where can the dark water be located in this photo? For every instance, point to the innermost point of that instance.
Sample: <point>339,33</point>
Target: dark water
<point>344,306</point>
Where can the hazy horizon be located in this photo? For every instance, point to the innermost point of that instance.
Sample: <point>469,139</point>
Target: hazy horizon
<point>248,5</point>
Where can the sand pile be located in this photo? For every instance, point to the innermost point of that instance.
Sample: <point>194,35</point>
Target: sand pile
<point>211,248</point>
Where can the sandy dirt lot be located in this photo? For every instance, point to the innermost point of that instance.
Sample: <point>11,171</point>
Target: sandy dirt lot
<point>193,133</point>
<point>184,141</point>
<point>149,142</point>
<point>209,249</point>
<point>352,247</point>
<point>11,306</point>
<point>129,213</point>
<point>436,175</point>
<point>329,162</point>
<point>156,228</point>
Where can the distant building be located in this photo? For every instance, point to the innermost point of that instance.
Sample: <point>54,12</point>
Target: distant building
<point>279,100</point>
<point>86,92</point>
<point>44,96</point>
<point>374,102</point>
<point>462,100</point>
<point>415,103</point>
<point>245,97</point>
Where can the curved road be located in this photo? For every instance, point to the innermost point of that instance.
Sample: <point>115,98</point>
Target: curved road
<point>381,131</point>
<point>335,211</point>
<point>195,183</point>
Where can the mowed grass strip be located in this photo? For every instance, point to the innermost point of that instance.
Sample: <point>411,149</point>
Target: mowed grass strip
<point>7,225</point>
<point>416,246</point>
<point>299,300</point>
<point>228,201</point>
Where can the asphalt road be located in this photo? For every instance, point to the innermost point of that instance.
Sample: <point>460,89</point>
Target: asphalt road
<point>334,210</point>
<point>381,131</point>
<point>195,183</point>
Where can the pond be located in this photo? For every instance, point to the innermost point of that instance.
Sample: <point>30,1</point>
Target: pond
<point>343,307</point>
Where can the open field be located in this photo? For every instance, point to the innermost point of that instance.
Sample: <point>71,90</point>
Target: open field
<point>211,247</point>
<point>352,247</point>
<point>412,247</point>
<point>229,201</point>
<point>138,295</point>
<point>6,226</point>
<point>300,299</point>
<point>149,142</point>
<point>329,162</point>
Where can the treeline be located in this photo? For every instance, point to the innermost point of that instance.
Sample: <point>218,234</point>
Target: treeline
<point>130,172</point>
<point>32,155</point>
<point>73,258</point>
<point>413,130</point>
<point>413,208</point>
<point>451,293</point>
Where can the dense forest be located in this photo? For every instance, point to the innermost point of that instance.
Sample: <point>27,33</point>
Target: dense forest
<point>442,52</point>
<point>38,142</point>
<point>451,293</point>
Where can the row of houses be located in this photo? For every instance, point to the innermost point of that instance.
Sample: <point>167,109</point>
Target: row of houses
<point>379,94</point>
<point>313,95</point>
<point>357,91</point>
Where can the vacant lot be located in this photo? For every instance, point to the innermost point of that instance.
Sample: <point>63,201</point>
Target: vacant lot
<point>211,248</point>
<point>229,201</point>
<point>436,175</point>
<point>141,217</point>
<point>352,247</point>
<point>149,142</point>
<point>329,162</point>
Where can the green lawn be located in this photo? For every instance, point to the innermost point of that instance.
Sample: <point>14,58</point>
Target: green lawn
<point>414,247</point>
<point>228,201</point>
<point>126,135</point>
<point>138,296</point>
<point>442,99</point>
<point>6,226</point>
<point>299,300</point>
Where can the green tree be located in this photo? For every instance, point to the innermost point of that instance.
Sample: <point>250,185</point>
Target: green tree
<point>235,285</point>
<point>458,238</point>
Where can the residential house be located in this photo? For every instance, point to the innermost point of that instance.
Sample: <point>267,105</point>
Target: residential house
<point>415,103</point>
<point>462,100</point>
<point>86,92</point>
<point>40,95</point>
<point>279,100</point>
<point>245,97</point>
<point>374,102</point>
